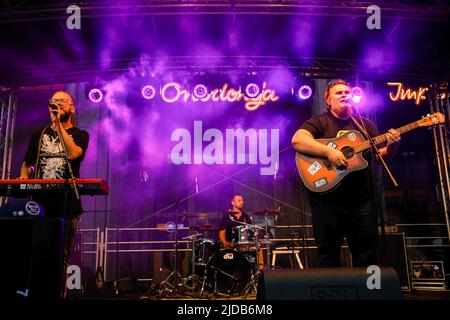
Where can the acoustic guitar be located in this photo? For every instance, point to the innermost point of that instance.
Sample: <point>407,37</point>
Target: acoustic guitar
<point>319,175</point>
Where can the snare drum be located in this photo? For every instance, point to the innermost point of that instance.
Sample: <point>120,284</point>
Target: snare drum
<point>228,272</point>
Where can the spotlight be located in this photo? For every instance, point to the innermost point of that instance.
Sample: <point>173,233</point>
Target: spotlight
<point>305,92</point>
<point>357,94</point>
<point>95,95</point>
<point>148,92</point>
<point>252,90</point>
<point>200,91</point>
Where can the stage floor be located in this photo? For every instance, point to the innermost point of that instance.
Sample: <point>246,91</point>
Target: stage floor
<point>149,296</point>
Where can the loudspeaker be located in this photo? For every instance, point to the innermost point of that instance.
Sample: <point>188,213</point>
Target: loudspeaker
<point>328,284</point>
<point>32,258</point>
<point>395,255</point>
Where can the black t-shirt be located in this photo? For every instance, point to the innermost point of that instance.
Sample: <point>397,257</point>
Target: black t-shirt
<point>229,225</point>
<point>52,163</point>
<point>357,186</point>
<point>46,154</point>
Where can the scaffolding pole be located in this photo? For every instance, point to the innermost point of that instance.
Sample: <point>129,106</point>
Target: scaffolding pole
<point>8,104</point>
<point>439,102</point>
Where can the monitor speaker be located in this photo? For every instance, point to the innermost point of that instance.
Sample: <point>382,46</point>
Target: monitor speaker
<point>328,284</point>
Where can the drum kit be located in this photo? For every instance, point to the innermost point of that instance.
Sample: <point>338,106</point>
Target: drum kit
<point>231,271</point>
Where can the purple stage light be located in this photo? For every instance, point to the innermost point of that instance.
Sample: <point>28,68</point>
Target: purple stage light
<point>200,91</point>
<point>252,90</point>
<point>148,92</point>
<point>95,95</point>
<point>305,92</point>
<point>357,94</point>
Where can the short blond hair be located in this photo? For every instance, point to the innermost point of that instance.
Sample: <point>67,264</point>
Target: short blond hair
<point>332,84</point>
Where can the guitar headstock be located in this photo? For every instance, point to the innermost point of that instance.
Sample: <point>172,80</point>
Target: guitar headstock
<point>435,118</point>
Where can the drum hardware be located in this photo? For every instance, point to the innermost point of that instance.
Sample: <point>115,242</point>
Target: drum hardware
<point>252,285</point>
<point>266,212</point>
<point>193,279</point>
<point>228,272</point>
<point>174,283</point>
<point>201,249</point>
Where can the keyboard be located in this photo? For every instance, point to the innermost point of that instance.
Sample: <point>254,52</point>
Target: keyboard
<point>30,187</point>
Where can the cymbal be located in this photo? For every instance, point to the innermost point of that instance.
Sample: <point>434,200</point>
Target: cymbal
<point>205,227</point>
<point>267,211</point>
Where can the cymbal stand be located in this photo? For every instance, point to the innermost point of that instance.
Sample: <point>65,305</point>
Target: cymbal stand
<point>193,277</point>
<point>254,278</point>
<point>177,283</point>
<point>266,238</point>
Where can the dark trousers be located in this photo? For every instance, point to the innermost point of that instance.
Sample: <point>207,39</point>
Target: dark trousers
<point>63,205</point>
<point>357,223</point>
<point>71,225</point>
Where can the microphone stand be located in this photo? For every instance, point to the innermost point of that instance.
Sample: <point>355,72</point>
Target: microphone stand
<point>75,188</point>
<point>375,149</point>
<point>69,166</point>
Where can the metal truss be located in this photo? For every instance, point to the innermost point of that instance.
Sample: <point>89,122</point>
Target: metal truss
<point>192,65</point>
<point>439,102</point>
<point>406,10</point>
<point>8,103</point>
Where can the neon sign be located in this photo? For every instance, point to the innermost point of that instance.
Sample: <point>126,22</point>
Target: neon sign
<point>408,94</point>
<point>172,92</point>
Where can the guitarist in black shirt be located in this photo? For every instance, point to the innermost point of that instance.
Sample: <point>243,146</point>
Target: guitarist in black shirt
<point>347,210</point>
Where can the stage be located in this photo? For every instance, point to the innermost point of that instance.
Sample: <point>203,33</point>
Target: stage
<point>187,125</point>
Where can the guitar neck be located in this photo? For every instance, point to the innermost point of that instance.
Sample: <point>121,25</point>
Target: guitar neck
<point>382,138</point>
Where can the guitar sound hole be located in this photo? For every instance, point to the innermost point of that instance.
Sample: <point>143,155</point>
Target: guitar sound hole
<point>348,152</point>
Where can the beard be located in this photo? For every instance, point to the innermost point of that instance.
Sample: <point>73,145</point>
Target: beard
<point>64,117</point>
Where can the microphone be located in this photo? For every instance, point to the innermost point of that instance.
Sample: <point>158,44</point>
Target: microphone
<point>53,107</point>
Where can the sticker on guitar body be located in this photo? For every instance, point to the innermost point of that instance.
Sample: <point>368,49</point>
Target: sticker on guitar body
<point>321,182</point>
<point>351,136</point>
<point>316,166</point>
<point>331,144</point>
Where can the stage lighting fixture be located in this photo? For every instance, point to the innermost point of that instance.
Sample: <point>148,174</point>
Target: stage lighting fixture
<point>200,91</point>
<point>252,90</point>
<point>148,92</point>
<point>357,94</point>
<point>305,92</point>
<point>95,95</point>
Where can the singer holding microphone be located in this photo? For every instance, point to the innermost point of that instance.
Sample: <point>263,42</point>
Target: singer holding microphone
<point>349,210</point>
<point>235,214</point>
<point>45,158</point>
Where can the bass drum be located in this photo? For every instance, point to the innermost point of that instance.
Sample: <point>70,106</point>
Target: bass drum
<point>228,272</point>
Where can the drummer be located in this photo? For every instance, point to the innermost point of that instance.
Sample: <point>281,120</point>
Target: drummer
<point>229,221</point>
